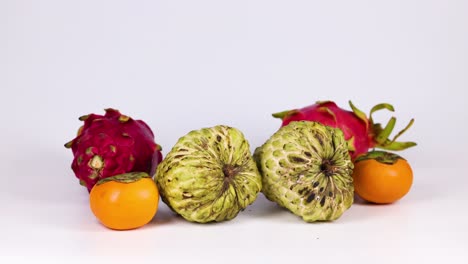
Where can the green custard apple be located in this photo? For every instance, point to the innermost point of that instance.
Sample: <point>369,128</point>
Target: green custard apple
<point>306,168</point>
<point>209,175</point>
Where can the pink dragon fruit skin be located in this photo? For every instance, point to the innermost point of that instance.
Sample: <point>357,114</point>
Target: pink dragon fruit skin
<point>110,145</point>
<point>360,131</point>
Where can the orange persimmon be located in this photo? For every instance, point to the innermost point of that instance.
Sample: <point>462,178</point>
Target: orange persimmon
<point>125,201</point>
<point>382,177</point>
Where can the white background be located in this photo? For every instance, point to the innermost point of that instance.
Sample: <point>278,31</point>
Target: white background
<point>183,65</point>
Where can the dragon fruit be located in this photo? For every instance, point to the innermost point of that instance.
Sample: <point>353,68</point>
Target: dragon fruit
<point>360,131</point>
<point>110,145</point>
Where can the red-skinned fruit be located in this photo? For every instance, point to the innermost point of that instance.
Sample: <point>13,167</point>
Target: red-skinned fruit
<point>110,145</point>
<point>360,131</point>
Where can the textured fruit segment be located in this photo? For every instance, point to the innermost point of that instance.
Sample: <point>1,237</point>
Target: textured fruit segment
<point>110,145</point>
<point>307,169</point>
<point>359,130</point>
<point>209,175</point>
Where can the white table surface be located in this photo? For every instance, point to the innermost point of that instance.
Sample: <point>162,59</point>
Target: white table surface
<point>183,65</point>
<point>53,224</point>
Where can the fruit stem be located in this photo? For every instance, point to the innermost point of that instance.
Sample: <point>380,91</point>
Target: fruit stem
<point>327,167</point>
<point>230,171</point>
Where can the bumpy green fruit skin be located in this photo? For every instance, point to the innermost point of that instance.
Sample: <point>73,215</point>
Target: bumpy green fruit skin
<point>306,168</point>
<point>209,175</point>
